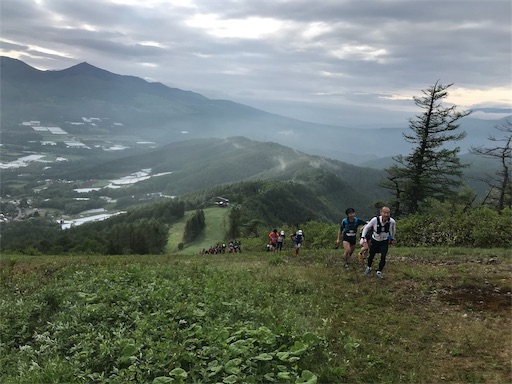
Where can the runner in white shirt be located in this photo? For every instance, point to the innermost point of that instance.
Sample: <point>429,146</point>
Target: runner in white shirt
<point>384,230</point>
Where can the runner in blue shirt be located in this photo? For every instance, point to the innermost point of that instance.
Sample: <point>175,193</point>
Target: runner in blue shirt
<point>348,228</point>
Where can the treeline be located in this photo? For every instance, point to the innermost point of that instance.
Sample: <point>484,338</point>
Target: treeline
<point>143,230</point>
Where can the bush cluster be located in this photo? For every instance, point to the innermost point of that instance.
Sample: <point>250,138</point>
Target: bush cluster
<point>452,225</point>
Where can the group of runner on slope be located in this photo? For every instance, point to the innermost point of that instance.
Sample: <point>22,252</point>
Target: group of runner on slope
<point>232,247</point>
<point>375,237</point>
<point>276,240</point>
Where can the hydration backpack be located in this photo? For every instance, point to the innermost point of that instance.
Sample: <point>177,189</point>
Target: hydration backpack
<point>349,226</point>
<point>382,228</point>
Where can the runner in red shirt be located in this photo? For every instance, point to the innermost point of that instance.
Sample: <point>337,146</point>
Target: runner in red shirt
<point>273,236</point>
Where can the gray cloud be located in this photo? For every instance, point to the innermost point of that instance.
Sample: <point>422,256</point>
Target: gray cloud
<point>325,61</point>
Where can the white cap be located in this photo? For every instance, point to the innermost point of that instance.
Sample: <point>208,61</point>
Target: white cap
<point>299,232</point>
<point>282,232</point>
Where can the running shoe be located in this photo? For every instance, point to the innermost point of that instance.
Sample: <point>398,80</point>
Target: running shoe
<point>379,275</point>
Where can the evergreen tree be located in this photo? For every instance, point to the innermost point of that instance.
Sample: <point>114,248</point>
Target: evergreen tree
<point>251,228</point>
<point>430,170</point>
<point>234,220</point>
<point>194,226</point>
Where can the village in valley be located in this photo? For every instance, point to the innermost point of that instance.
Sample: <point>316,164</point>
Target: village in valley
<point>33,148</point>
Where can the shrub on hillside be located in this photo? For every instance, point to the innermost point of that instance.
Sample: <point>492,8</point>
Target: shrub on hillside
<point>320,235</point>
<point>453,225</point>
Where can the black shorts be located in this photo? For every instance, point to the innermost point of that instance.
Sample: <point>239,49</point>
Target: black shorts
<point>351,239</point>
<point>379,247</point>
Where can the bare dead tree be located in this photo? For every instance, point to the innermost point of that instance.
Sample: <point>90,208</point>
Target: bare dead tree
<point>501,182</point>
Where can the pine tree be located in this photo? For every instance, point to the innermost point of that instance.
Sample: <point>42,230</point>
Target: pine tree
<point>431,170</point>
<point>234,223</point>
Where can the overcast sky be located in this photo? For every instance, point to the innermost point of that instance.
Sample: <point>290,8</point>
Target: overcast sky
<point>343,62</point>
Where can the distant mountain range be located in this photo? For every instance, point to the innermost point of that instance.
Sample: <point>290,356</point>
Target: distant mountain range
<point>153,111</point>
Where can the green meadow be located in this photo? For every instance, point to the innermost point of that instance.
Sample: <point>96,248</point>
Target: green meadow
<point>214,232</point>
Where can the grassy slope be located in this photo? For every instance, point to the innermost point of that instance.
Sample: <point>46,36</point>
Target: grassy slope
<point>215,218</point>
<point>441,314</point>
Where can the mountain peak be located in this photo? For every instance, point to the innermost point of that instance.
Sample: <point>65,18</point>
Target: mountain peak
<point>85,68</point>
<point>84,64</point>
